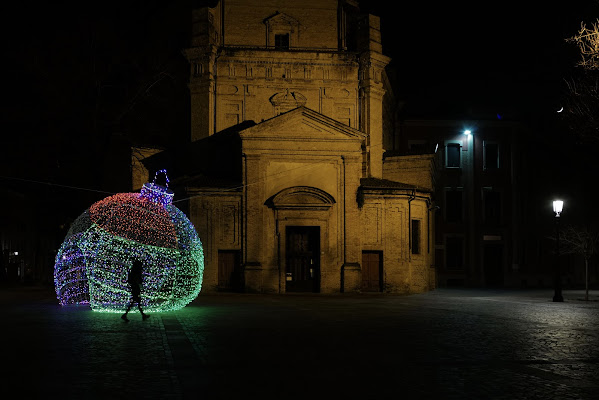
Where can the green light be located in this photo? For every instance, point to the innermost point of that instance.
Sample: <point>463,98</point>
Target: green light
<point>94,260</point>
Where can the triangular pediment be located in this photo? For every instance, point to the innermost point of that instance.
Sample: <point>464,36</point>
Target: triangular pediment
<point>301,124</point>
<point>281,19</point>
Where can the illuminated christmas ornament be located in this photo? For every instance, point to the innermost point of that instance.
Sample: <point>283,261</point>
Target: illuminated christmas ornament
<point>95,258</point>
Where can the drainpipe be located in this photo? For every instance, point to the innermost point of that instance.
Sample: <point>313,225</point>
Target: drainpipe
<point>344,217</point>
<point>428,226</point>
<point>214,97</point>
<point>245,210</point>
<point>222,22</point>
<point>412,197</point>
<point>282,274</point>
<point>343,266</point>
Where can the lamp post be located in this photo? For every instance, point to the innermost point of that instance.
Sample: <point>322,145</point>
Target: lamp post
<point>558,205</point>
<point>470,181</point>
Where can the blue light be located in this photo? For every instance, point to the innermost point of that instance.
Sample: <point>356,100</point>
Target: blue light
<point>92,264</point>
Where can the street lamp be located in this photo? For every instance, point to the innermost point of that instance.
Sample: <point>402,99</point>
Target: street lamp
<point>558,205</point>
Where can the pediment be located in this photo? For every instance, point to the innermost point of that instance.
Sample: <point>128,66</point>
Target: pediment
<point>281,19</point>
<point>304,197</point>
<point>301,124</point>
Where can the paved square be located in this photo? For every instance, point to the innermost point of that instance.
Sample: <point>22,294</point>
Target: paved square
<point>446,344</point>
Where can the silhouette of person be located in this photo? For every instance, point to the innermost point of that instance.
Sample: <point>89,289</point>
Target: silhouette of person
<point>134,279</point>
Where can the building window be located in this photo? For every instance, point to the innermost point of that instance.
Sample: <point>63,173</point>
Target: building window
<point>492,205</point>
<point>454,253</point>
<point>453,205</point>
<point>282,31</point>
<point>415,236</point>
<point>282,41</point>
<point>491,155</point>
<point>452,155</point>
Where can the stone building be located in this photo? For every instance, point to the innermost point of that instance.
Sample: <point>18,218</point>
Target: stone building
<point>286,177</point>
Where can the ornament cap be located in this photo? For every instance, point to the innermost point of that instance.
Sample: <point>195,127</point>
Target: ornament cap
<point>157,193</point>
<point>160,194</point>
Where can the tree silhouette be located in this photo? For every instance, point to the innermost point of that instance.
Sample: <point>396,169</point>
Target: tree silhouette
<point>581,100</point>
<point>582,241</point>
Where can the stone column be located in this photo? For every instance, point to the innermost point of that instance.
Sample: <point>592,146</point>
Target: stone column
<point>371,69</point>
<point>202,90</point>
<point>253,223</point>
<point>352,254</point>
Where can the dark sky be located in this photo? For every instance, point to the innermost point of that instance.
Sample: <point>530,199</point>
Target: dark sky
<point>467,51</point>
<point>83,78</point>
<point>508,53</point>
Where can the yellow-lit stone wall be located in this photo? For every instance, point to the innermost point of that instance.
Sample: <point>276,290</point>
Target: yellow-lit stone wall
<point>139,173</point>
<point>236,75</point>
<point>258,86</point>
<point>301,171</point>
<point>311,23</point>
<point>385,222</point>
<point>417,170</point>
<point>217,218</point>
<point>319,107</point>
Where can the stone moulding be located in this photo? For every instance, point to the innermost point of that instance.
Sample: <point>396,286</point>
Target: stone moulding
<point>288,100</point>
<point>301,197</point>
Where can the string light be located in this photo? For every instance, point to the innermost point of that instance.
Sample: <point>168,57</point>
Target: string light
<point>93,262</point>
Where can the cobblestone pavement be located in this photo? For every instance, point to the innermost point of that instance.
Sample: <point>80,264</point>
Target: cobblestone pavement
<point>445,344</point>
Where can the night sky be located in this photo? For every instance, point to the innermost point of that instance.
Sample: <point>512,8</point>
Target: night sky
<point>509,54</point>
<point>88,79</point>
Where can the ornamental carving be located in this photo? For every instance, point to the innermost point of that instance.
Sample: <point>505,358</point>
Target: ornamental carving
<point>286,101</point>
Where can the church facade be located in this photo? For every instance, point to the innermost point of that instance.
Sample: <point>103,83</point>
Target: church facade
<point>285,177</point>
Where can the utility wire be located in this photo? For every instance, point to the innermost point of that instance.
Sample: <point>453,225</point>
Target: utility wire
<point>54,184</point>
<point>270,177</point>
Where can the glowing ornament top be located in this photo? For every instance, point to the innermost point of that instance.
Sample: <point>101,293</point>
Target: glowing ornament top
<point>98,251</point>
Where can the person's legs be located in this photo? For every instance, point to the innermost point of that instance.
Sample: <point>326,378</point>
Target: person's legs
<point>137,299</point>
<point>134,298</point>
<point>124,316</point>
<point>143,316</point>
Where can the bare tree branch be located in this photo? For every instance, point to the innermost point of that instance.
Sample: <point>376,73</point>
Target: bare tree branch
<point>587,40</point>
<point>581,101</point>
<point>581,241</point>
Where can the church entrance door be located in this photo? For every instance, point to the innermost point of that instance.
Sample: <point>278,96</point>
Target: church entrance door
<point>302,272</point>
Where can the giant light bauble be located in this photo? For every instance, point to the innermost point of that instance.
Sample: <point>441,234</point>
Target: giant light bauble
<point>98,251</point>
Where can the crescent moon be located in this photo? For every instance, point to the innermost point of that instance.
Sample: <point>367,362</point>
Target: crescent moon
<point>560,110</point>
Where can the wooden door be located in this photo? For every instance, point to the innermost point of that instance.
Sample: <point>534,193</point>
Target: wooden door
<point>229,274</point>
<point>302,272</point>
<point>372,271</point>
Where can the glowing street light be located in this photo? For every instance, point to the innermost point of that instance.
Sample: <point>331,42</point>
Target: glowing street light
<point>558,206</point>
